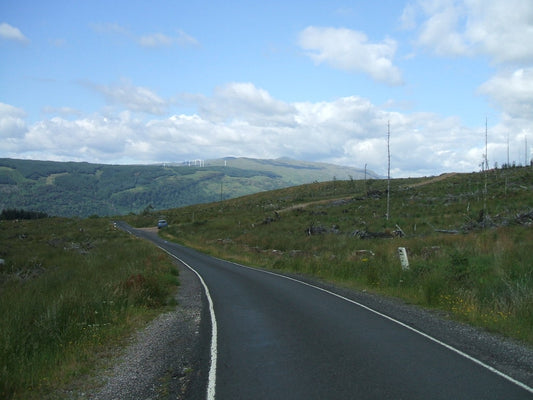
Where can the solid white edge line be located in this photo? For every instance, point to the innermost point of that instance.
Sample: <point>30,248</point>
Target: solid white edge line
<point>211,382</point>
<point>455,350</point>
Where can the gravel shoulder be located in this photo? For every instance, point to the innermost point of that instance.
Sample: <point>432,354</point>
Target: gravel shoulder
<point>162,360</point>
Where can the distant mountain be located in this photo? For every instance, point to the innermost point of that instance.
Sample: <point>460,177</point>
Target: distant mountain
<point>84,189</point>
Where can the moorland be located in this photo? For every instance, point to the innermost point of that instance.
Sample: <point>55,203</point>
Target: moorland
<point>71,289</point>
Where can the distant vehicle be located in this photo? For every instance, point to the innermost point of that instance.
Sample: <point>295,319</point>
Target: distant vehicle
<point>162,224</point>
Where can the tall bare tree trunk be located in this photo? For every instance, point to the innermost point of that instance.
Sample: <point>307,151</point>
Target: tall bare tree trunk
<point>388,170</point>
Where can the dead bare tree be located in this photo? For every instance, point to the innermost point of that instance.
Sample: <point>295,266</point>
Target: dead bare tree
<point>388,170</point>
<point>486,171</point>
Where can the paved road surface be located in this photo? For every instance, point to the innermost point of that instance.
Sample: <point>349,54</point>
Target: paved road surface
<point>278,338</point>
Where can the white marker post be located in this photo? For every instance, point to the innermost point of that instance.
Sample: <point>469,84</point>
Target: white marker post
<point>402,253</point>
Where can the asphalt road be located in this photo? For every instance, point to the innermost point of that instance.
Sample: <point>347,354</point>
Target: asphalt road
<point>279,338</point>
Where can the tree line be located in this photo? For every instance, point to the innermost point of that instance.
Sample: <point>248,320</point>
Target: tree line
<point>13,213</point>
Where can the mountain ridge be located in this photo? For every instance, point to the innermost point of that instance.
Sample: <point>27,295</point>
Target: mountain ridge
<point>82,189</point>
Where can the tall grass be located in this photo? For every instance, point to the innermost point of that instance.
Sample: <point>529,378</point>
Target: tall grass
<point>482,275</point>
<point>68,289</point>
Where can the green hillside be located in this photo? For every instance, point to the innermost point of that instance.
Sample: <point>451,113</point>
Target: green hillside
<point>468,239</point>
<point>84,189</point>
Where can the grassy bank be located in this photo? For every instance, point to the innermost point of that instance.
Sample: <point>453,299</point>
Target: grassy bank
<point>69,291</point>
<point>469,248</point>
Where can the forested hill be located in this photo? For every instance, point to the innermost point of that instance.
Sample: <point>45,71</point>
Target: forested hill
<point>84,189</point>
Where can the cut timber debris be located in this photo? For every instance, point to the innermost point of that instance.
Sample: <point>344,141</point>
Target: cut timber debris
<point>399,231</point>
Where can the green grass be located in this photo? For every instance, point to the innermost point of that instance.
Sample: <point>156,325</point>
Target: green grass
<point>69,290</point>
<point>482,275</point>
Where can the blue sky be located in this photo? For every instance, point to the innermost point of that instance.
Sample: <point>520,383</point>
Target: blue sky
<point>163,81</point>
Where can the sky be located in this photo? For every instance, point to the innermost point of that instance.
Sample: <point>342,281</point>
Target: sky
<point>135,82</point>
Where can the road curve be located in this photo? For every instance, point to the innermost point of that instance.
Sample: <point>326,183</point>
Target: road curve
<point>279,338</point>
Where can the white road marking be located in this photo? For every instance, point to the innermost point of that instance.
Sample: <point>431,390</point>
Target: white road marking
<point>213,368</point>
<point>455,350</point>
<point>211,383</point>
<point>212,377</point>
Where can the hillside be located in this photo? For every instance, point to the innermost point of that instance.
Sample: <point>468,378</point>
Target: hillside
<point>468,239</point>
<point>84,189</point>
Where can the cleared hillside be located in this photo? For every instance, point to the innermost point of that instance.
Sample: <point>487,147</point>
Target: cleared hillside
<point>469,248</point>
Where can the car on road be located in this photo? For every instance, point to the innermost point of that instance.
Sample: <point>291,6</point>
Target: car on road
<point>162,224</point>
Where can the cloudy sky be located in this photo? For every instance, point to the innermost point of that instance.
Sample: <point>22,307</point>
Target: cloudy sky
<point>161,81</point>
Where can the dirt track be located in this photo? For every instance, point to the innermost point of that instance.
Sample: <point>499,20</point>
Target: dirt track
<point>435,179</point>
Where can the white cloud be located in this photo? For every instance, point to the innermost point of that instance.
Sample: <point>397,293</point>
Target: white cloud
<point>64,111</point>
<point>110,28</point>
<point>133,98</point>
<point>155,40</point>
<point>240,119</point>
<point>12,122</point>
<point>95,138</point>
<point>408,17</point>
<point>501,29</point>
<point>512,91</point>
<point>151,40</point>
<point>235,100</point>
<point>183,39</point>
<point>9,32</point>
<point>351,51</point>
<point>439,30</point>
